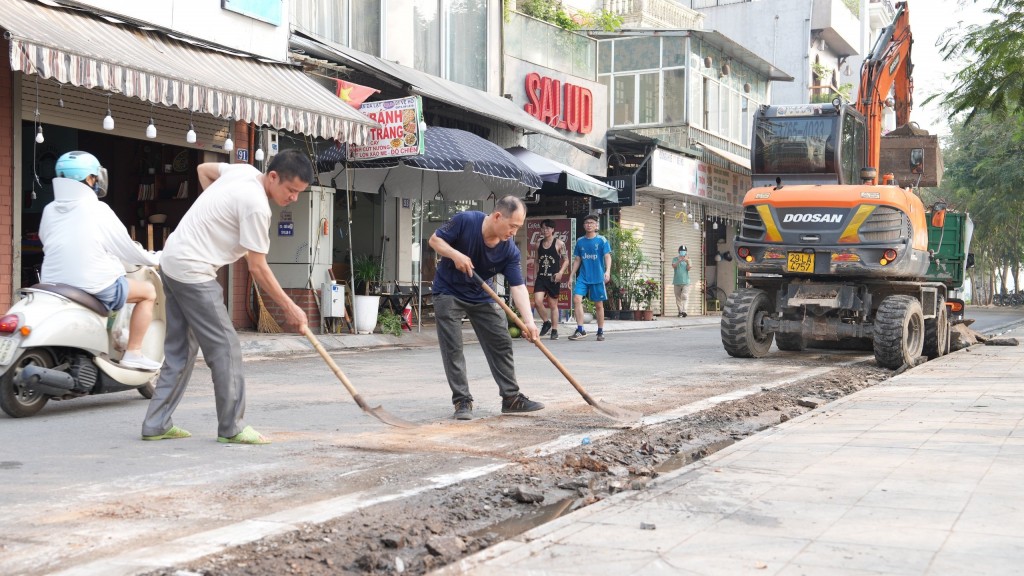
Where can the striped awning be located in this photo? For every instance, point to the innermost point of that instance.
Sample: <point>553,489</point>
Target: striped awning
<point>83,49</point>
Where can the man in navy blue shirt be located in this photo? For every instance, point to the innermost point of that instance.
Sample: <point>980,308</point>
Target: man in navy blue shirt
<point>484,243</point>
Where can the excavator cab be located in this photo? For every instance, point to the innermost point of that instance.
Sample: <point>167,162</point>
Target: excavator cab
<point>808,144</point>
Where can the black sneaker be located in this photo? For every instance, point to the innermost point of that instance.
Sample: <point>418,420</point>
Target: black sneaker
<point>600,336</point>
<point>544,329</point>
<point>519,403</point>
<point>554,334</point>
<point>684,314</point>
<point>463,410</point>
<point>578,334</point>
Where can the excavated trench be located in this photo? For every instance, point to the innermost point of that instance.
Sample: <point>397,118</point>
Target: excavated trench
<point>436,527</point>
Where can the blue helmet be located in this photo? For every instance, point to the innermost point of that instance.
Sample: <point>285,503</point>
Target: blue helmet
<point>80,165</point>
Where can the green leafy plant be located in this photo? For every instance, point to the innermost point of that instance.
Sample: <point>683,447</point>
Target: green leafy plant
<point>367,271</point>
<point>628,261</point>
<point>390,323</point>
<point>646,290</point>
<point>554,12</point>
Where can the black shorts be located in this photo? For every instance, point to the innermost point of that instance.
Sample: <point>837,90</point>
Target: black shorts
<point>547,285</point>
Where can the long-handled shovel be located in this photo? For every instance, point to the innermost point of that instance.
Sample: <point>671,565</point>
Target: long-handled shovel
<point>379,412</point>
<point>615,412</point>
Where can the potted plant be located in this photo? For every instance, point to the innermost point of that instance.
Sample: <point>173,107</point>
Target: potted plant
<point>628,261</point>
<point>647,289</point>
<point>366,271</point>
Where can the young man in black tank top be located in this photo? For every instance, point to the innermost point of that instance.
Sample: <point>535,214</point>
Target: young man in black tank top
<point>551,262</point>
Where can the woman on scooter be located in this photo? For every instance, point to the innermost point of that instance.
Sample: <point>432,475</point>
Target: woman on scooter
<point>85,245</point>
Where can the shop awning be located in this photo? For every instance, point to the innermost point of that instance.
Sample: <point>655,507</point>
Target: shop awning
<point>81,48</point>
<point>435,88</point>
<point>736,159</point>
<point>565,177</point>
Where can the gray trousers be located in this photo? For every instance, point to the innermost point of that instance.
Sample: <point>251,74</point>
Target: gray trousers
<point>491,329</point>
<point>197,317</point>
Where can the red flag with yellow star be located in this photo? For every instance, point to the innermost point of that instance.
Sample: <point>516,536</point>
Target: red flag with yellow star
<point>352,93</point>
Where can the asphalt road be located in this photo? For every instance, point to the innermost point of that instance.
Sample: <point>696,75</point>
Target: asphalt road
<point>82,491</point>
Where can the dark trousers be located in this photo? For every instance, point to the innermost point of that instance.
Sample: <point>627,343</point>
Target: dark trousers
<point>491,329</point>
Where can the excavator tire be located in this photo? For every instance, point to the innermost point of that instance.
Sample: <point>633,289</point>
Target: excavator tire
<point>742,333</point>
<point>936,332</point>
<point>899,332</point>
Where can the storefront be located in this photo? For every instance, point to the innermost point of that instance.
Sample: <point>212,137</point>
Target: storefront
<point>389,223</point>
<point>151,107</point>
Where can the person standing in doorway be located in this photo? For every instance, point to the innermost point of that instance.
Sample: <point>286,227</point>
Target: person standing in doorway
<point>482,243</point>
<point>229,220</point>
<point>592,259</point>
<point>681,280</point>
<point>552,261</point>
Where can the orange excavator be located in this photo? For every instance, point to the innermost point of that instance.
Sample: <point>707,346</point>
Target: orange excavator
<point>829,255</point>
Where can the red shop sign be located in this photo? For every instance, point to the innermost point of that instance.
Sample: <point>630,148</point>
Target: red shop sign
<point>564,106</point>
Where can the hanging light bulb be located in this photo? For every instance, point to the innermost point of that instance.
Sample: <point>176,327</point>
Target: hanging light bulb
<point>259,155</point>
<point>696,225</point>
<point>714,226</point>
<point>151,129</point>
<point>190,136</point>
<point>60,95</point>
<point>39,135</point>
<point>108,120</point>
<point>229,144</point>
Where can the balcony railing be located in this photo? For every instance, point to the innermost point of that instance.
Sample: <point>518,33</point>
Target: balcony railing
<point>550,46</point>
<point>655,14</point>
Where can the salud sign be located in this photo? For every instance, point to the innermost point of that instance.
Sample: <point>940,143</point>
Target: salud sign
<point>399,134</point>
<point>559,105</point>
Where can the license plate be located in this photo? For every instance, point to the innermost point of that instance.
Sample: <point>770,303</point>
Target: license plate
<point>8,347</point>
<point>800,262</point>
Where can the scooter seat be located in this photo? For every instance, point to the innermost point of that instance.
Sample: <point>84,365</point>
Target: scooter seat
<point>76,295</point>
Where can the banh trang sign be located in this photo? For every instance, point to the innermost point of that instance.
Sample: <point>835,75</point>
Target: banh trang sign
<point>399,134</point>
<point>565,106</point>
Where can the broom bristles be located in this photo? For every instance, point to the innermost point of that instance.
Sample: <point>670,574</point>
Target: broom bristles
<point>266,322</point>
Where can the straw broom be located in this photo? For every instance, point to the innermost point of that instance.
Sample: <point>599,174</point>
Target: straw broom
<point>265,322</point>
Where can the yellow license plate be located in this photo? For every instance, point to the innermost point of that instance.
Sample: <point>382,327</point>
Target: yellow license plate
<point>800,262</point>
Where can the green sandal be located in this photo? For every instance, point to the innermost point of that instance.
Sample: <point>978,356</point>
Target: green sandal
<point>173,434</point>
<point>248,435</point>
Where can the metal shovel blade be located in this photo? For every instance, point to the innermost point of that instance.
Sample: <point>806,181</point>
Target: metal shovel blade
<point>614,412</point>
<point>379,412</point>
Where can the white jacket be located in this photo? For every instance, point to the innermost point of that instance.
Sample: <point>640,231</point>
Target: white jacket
<point>84,243</point>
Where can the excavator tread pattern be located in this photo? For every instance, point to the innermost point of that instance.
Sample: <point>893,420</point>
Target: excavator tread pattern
<point>898,332</point>
<point>742,335</point>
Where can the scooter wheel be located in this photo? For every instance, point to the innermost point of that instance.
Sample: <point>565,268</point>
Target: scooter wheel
<point>21,401</point>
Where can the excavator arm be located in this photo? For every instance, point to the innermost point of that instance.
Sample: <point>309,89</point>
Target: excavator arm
<point>887,67</point>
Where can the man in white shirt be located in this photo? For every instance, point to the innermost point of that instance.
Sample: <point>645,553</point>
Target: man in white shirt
<point>229,220</point>
<point>85,245</point>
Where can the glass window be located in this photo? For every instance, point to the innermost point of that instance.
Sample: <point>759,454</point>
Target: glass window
<point>650,88</point>
<point>426,37</point>
<point>366,35</point>
<point>675,95</point>
<point>637,54</point>
<point>604,57</point>
<point>467,40</point>
<point>711,106</point>
<point>697,100</point>
<point>673,51</point>
<point>852,150</point>
<point>625,98</point>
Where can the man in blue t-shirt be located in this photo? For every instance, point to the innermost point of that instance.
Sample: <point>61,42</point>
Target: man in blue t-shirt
<point>484,243</point>
<point>592,258</point>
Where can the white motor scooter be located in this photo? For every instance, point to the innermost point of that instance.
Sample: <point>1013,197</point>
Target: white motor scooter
<point>59,342</point>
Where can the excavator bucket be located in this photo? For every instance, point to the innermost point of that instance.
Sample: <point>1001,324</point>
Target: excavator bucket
<point>913,156</point>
